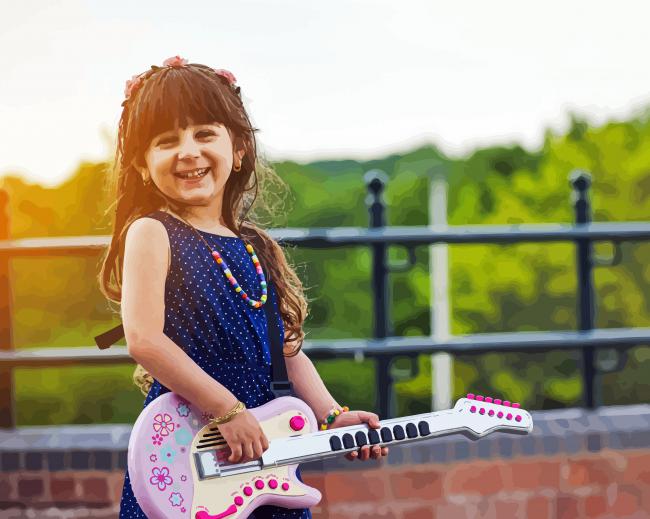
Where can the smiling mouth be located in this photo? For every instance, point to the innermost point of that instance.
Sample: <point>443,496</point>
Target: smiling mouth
<point>192,174</point>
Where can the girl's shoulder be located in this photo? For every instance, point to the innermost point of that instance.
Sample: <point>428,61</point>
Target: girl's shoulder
<point>152,228</point>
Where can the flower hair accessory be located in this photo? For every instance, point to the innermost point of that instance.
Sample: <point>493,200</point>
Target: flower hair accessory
<point>174,62</point>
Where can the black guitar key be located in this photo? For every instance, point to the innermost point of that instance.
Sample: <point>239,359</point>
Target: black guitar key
<point>411,430</point>
<point>386,434</point>
<point>348,441</point>
<point>335,443</point>
<point>373,436</point>
<point>423,427</point>
<point>361,438</point>
<point>398,431</point>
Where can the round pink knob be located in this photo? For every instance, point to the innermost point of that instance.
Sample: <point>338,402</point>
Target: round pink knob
<point>470,396</point>
<point>472,409</point>
<point>518,418</point>
<point>239,500</point>
<point>479,398</point>
<point>509,416</point>
<point>491,412</point>
<point>499,414</point>
<point>259,484</point>
<point>481,411</point>
<point>515,405</point>
<point>273,483</point>
<point>488,399</point>
<point>248,491</point>
<point>285,486</point>
<point>297,423</point>
<point>497,401</point>
<point>506,403</point>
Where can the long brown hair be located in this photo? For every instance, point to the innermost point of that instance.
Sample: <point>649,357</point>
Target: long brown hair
<point>171,97</point>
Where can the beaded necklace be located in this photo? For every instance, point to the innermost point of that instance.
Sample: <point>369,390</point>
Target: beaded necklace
<point>224,267</point>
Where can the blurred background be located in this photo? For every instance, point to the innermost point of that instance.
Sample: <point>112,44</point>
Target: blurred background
<point>502,101</point>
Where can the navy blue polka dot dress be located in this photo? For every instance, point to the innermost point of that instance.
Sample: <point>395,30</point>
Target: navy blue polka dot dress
<point>222,333</point>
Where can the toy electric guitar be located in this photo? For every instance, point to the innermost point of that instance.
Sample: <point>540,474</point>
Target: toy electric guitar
<point>178,462</point>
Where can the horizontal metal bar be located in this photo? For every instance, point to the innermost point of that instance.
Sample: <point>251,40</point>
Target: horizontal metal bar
<point>345,236</point>
<point>522,342</point>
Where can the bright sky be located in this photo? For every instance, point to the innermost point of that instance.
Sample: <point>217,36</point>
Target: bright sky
<point>336,79</point>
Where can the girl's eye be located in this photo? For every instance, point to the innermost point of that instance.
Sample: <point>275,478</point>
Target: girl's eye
<point>205,133</point>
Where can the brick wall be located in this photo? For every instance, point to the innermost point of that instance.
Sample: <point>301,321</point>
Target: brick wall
<point>604,484</point>
<point>574,464</point>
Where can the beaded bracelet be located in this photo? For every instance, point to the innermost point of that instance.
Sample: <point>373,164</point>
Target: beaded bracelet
<point>334,412</point>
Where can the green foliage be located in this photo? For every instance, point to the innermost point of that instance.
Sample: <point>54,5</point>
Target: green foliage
<point>532,286</point>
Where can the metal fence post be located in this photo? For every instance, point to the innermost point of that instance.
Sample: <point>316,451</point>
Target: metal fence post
<point>7,390</point>
<point>581,181</point>
<point>375,183</point>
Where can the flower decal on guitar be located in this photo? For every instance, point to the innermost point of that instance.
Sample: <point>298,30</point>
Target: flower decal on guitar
<point>163,424</point>
<point>161,477</point>
<point>207,417</point>
<point>167,454</point>
<point>176,499</point>
<point>157,439</point>
<point>183,409</point>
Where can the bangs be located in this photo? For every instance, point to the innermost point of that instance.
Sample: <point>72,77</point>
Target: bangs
<point>167,102</point>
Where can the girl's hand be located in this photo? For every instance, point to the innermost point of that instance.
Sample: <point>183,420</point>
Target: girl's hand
<point>356,418</point>
<point>245,437</point>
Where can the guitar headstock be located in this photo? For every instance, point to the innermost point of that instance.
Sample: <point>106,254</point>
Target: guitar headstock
<point>484,414</point>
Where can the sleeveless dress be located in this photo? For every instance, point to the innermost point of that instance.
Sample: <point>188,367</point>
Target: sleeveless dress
<point>222,333</point>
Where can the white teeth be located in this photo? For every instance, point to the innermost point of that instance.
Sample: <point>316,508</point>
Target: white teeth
<point>194,174</point>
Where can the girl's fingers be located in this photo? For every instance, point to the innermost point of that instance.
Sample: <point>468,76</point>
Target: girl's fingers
<point>371,418</point>
<point>352,455</point>
<point>365,453</point>
<point>236,454</point>
<point>248,452</point>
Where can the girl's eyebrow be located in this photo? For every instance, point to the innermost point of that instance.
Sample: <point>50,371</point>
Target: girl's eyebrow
<point>172,133</point>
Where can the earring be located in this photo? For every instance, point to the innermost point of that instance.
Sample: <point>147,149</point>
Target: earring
<point>237,169</point>
<point>146,181</point>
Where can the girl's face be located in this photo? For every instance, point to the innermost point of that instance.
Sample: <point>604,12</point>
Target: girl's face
<point>206,149</point>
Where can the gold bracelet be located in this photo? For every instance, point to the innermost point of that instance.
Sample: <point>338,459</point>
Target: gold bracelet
<point>239,407</point>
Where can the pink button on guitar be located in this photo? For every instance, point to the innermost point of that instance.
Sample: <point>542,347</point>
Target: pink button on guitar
<point>273,483</point>
<point>259,484</point>
<point>285,486</point>
<point>248,491</point>
<point>239,500</point>
<point>297,423</point>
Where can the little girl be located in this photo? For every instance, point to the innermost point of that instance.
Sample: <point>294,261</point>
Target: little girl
<point>186,171</point>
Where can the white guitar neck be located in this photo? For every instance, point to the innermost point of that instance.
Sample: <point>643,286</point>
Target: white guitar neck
<point>476,416</point>
<point>326,444</point>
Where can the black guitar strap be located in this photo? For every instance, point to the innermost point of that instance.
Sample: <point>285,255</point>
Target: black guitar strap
<point>280,384</point>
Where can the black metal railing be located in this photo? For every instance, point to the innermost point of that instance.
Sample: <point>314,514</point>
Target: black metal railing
<point>382,346</point>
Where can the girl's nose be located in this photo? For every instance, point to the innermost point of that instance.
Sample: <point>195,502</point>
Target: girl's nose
<point>188,148</point>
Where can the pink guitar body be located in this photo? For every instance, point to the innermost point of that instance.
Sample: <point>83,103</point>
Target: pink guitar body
<point>178,461</point>
<point>170,433</point>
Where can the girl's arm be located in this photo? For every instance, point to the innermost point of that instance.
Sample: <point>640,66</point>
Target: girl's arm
<point>146,260</point>
<point>308,385</point>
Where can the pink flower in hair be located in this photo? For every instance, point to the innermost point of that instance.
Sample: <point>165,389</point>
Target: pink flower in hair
<point>132,84</point>
<point>175,61</point>
<point>227,74</point>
